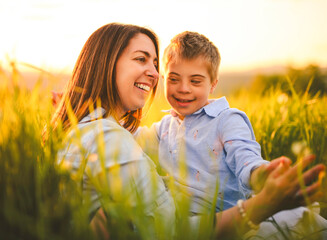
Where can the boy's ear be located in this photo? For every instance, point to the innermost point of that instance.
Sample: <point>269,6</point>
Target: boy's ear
<point>213,86</point>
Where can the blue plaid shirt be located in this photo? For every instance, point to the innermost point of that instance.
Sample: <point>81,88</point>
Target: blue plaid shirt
<point>124,164</point>
<point>217,147</point>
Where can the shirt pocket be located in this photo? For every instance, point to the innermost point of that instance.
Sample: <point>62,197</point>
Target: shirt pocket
<point>215,154</point>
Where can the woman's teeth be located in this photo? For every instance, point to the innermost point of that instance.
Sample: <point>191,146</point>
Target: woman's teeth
<point>142,86</point>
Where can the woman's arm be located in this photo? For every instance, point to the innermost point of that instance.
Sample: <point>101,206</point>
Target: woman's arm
<point>281,191</point>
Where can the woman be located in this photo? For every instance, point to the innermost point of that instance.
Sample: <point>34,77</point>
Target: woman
<point>118,69</point>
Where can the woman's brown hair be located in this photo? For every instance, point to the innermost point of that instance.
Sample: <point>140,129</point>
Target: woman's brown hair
<point>93,78</point>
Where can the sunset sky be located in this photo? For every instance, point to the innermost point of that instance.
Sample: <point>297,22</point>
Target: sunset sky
<point>249,33</point>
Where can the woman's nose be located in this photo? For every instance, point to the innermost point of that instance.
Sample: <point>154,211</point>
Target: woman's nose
<point>152,72</point>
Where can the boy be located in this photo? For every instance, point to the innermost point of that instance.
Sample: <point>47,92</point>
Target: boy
<point>203,144</point>
<point>216,143</point>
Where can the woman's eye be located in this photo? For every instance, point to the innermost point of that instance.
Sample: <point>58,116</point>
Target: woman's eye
<point>155,63</point>
<point>141,59</point>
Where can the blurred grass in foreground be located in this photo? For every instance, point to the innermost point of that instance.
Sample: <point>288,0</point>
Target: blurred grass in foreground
<point>37,199</point>
<point>41,200</point>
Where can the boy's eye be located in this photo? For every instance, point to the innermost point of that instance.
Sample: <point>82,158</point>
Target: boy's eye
<point>172,79</point>
<point>195,81</point>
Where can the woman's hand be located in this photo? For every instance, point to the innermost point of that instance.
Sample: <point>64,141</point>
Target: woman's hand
<point>260,174</point>
<point>99,225</point>
<point>288,186</point>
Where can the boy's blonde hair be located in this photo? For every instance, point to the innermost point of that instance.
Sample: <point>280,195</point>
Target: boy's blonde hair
<point>190,45</point>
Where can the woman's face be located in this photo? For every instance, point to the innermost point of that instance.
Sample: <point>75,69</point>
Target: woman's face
<point>136,73</point>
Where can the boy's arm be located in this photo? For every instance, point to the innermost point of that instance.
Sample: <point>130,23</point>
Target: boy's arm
<point>259,175</point>
<point>243,153</point>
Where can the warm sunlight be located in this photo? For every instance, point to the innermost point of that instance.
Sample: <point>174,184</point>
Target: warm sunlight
<point>112,148</point>
<point>255,33</point>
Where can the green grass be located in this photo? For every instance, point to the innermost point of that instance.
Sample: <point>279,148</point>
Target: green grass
<point>40,199</point>
<point>287,125</point>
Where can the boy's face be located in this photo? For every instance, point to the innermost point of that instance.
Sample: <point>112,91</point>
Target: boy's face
<point>188,85</point>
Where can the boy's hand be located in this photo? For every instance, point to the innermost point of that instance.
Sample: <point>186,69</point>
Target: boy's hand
<point>260,174</point>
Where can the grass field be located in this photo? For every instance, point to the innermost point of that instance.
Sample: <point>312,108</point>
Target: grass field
<point>41,200</point>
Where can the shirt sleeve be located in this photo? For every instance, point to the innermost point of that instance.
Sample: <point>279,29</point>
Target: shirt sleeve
<point>243,152</point>
<point>124,172</point>
<point>148,139</point>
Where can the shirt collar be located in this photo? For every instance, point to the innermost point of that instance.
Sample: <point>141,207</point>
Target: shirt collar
<point>213,109</point>
<point>96,114</point>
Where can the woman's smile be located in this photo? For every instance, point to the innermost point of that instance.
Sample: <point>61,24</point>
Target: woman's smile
<point>136,73</point>
<point>143,86</point>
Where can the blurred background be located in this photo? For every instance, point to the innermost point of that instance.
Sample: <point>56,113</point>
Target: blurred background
<point>255,37</point>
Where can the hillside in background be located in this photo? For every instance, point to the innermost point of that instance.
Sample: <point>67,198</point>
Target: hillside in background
<point>233,80</point>
<point>228,81</point>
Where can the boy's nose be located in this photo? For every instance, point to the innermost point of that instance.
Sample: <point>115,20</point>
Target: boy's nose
<point>184,87</point>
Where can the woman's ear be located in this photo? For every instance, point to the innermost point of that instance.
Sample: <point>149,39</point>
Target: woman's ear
<point>213,86</point>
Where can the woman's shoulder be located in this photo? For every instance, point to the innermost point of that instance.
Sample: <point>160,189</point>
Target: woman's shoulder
<point>106,132</point>
<point>97,119</point>
<point>102,124</point>
<point>89,132</point>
